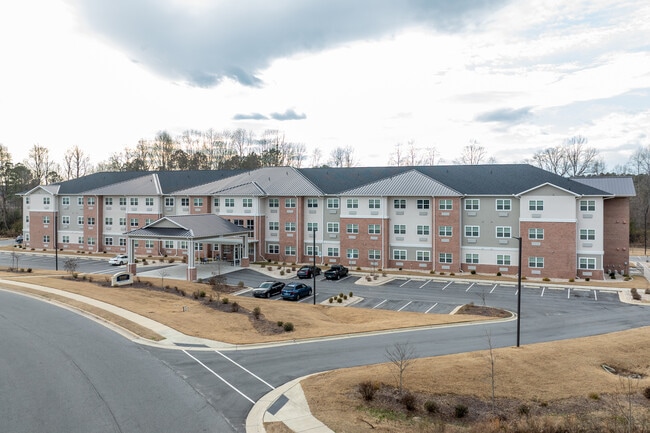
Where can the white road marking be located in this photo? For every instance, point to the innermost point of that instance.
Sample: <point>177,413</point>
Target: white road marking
<point>495,286</point>
<point>379,304</point>
<point>405,283</point>
<point>543,290</point>
<point>220,378</point>
<point>434,306</point>
<point>568,293</point>
<point>246,370</point>
<point>448,284</point>
<point>470,286</point>
<point>428,281</point>
<point>405,306</point>
<point>595,295</point>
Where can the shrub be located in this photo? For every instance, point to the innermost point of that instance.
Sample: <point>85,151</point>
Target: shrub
<point>636,296</point>
<point>594,396</point>
<point>90,279</point>
<point>460,410</point>
<point>358,268</point>
<point>646,392</point>
<point>288,327</point>
<point>498,274</point>
<point>280,323</point>
<point>367,389</point>
<point>224,301</point>
<point>282,272</point>
<point>473,272</point>
<point>182,292</point>
<point>523,409</point>
<point>195,294</point>
<point>339,300</point>
<point>234,307</point>
<point>546,279</point>
<point>257,312</point>
<point>202,294</point>
<point>331,300</point>
<point>430,406</point>
<point>612,275</point>
<point>341,295</point>
<point>240,284</point>
<point>75,275</point>
<point>587,278</point>
<point>172,260</point>
<point>350,294</point>
<point>442,273</point>
<point>647,291</point>
<point>571,280</point>
<point>408,400</point>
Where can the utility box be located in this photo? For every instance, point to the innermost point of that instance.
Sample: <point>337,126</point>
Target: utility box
<point>122,279</point>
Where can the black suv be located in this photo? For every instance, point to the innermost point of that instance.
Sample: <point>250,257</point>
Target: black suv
<point>308,271</point>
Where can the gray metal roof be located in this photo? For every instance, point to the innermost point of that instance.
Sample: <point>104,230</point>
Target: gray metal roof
<point>200,226</point>
<point>616,186</point>
<point>144,185</point>
<point>410,183</point>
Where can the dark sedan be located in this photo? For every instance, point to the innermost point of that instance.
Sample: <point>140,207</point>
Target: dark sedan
<point>308,271</point>
<point>268,289</point>
<point>295,291</point>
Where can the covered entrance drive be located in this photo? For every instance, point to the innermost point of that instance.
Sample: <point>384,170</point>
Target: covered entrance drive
<point>195,230</point>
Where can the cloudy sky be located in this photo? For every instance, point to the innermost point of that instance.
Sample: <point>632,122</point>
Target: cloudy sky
<point>514,76</point>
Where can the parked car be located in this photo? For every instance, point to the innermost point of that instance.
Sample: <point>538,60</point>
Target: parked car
<point>268,289</point>
<point>295,291</point>
<point>308,271</point>
<point>120,259</point>
<point>335,272</point>
<point>19,239</point>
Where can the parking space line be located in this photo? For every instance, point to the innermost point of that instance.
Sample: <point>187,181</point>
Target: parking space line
<point>246,370</point>
<point>495,286</point>
<point>219,377</point>
<point>448,284</point>
<point>379,304</point>
<point>405,282</point>
<point>595,295</point>
<point>568,293</point>
<point>434,306</point>
<point>543,290</point>
<point>405,306</point>
<point>427,282</point>
<point>470,286</point>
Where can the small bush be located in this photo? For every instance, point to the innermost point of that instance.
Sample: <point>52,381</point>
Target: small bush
<point>280,323</point>
<point>646,392</point>
<point>90,279</point>
<point>460,411</point>
<point>288,327</point>
<point>341,295</point>
<point>546,279</point>
<point>523,409</point>
<point>587,278</point>
<point>172,260</point>
<point>282,272</point>
<point>350,294</point>
<point>498,274</point>
<point>29,270</point>
<point>234,307</point>
<point>257,312</point>
<point>594,396</point>
<point>225,301</point>
<point>339,300</point>
<point>182,292</point>
<point>408,400</point>
<point>195,294</point>
<point>367,389</point>
<point>331,300</point>
<point>430,406</point>
<point>202,294</point>
<point>75,275</point>
<point>240,284</point>
<point>647,291</point>
<point>571,280</point>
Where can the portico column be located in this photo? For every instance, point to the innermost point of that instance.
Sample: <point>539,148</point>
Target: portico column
<point>131,265</point>
<point>191,264</point>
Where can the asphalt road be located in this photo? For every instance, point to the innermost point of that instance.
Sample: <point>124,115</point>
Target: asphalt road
<point>83,377</point>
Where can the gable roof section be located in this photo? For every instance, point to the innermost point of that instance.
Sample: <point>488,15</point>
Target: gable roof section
<point>545,185</point>
<point>616,186</point>
<point>50,189</point>
<point>332,181</point>
<point>199,226</point>
<point>145,185</point>
<point>409,183</point>
<point>96,180</point>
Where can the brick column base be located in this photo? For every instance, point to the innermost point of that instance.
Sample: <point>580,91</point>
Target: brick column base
<point>130,267</point>
<point>191,274</point>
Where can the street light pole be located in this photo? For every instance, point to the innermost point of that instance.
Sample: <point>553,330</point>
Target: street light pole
<point>314,268</point>
<point>519,294</point>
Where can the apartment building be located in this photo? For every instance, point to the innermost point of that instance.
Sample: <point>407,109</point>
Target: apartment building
<point>433,219</point>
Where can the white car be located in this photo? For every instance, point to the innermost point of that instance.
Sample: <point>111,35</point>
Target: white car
<point>120,259</point>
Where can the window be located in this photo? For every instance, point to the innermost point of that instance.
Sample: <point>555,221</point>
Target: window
<point>445,257</point>
<point>238,222</point>
<point>250,224</point>
<point>108,221</point>
<point>26,218</point>
<point>133,201</point>
<point>445,231</point>
<point>399,229</point>
<point>332,203</point>
<point>352,228</point>
<point>26,200</point>
<point>535,262</point>
<point>274,225</point>
<point>229,202</point>
<point>587,206</point>
<point>472,204</point>
<point>290,227</point>
<point>471,258</point>
<point>134,222</point>
<point>312,202</point>
<point>289,202</point>
<point>423,256</point>
<point>169,245</point>
<point>312,252</point>
<point>148,244</point>
<point>108,241</point>
<point>587,263</point>
<point>65,220</point>
<point>46,238</point>
<point>198,202</point>
<point>535,233</point>
<point>504,204</point>
<point>374,254</point>
<point>185,202</point>
<point>91,221</point>
<point>352,253</point>
<point>65,201</point>
<point>504,232</point>
<point>274,202</point>
<point>290,250</point>
<point>332,251</point>
<point>198,246</point>
<point>215,202</point>
<point>122,242</point>
<point>374,203</point>
<point>352,203</point>
<point>108,201</point>
<point>148,201</point>
<point>399,254</point>
<point>80,240</point>
<point>332,227</point>
<point>312,227</point>
<point>247,202</point>
<point>503,259</point>
<point>445,204</point>
<point>122,222</point>
<point>148,221</point>
<point>65,239</point>
<point>46,200</point>
<point>169,202</point>
<point>423,204</point>
<point>423,230</point>
<point>91,201</point>
<point>46,219</point>
<point>80,201</point>
<point>535,205</point>
<point>122,201</point>
<point>80,220</point>
<point>183,245</point>
<point>399,203</point>
<point>587,234</point>
<point>472,231</point>
<point>91,241</point>
<point>374,229</point>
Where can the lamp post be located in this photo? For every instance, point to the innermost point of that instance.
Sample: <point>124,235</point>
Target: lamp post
<point>518,293</point>
<point>314,230</point>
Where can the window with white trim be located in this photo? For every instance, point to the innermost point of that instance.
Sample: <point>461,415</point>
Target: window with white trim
<point>399,229</point>
<point>536,205</point>
<point>399,203</point>
<point>399,255</point>
<point>445,204</point>
<point>46,200</point>
<point>536,234</point>
<point>289,202</point>
<point>587,234</point>
<point>423,230</point>
<point>273,249</point>
<point>108,221</point>
<point>352,203</point>
<point>133,201</point>
<point>65,219</point>
<point>198,201</point>
<point>91,221</point>
<point>46,219</point>
<point>80,220</point>
<point>445,257</point>
<point>445,231</point>
<point>503,259</point>
<point>352,228</point>
<point>148,244</point>
<point>122,242</point>
<point>289,226</point>
<point>122,201</point>
<point>65,201</point>
<point>46,239</point>
<point>123,222</point>
<point>108,241</point>
<point>65,239</point>
<point>332,251</point>
<point>587,205</point>
<point>274,202</point>
<point>169,245</point>
<point>332,203</point>
<point>274,225</point>
<point>108,201</point>
<point>471,258</point>
<point>374,203</point>
<point>148,201</point>
<point>134,222</point>
<point>332,227</point>
<point>80,240</point>
<point>310,250</point>
<point>229,202</point>
<point>80,201</point>
<point>312,202</point>
<point>423,203</point>
<point>504,204</point>
<point>587,263</point>
<point>91,201</point>
<point>535,262</point>
<point>374,254</point>
<point>472,204</point>
<point>423,256</point>
<point>374,229</point>
<point>289,250</point>
<point>91,241</point>
<point>352,253</point>
<point>169,202</point>
<point>472,231</point>
<point>247,202</point>
<point>312,227</point>
<point>504,232</point>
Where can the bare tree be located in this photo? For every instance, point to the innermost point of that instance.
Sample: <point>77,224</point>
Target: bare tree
<point>162,151</point>
<point>473,154</point>
<point>70,265</point>
<point>39,163</point>
<point>401,355</point>
<point>6,178</point>
<point>492,375</point>
<point>572,158</point>
<point>431,153</point>
<point>316,156</point>
<point>76,163</point>
<point>397,157</point>
<point>342,157</point>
